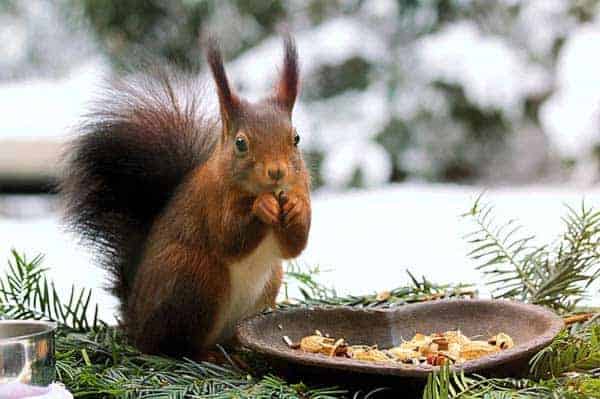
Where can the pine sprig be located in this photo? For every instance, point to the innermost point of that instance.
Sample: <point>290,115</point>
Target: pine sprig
<point>25,293</point>
<point>420,290</point>
<point>571,352</point>
<point>99,362</point>
<point>304,278</point>
<point>445,384</point>
<point>554,275</point>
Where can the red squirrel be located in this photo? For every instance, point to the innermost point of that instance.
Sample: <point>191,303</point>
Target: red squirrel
<point>191,214</point>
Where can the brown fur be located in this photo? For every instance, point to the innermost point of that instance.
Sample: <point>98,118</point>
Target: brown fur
<point>220,214</point>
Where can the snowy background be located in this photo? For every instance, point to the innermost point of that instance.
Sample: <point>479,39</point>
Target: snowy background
<point>363,241</point>
<point>500,91</point>
<point>409,109</point>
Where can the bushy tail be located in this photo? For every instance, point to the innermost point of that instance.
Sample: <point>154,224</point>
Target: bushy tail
<point>134,149</point>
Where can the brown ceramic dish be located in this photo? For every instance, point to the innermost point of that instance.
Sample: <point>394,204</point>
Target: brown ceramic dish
<point>531,327</point>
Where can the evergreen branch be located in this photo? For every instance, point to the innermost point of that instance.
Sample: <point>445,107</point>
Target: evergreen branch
<point>25,293</point>
<point>445,384</point>
<point>305,280</point>
<point>419,291</point>
<point>556,275</point>
<point>572,351</point>
<point>100,363</point>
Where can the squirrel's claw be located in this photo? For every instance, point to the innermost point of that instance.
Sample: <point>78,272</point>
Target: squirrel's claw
<point>292,208</point>
<point>266,208</point>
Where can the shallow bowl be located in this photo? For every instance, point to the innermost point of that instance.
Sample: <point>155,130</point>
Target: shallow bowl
<point>531,327</point>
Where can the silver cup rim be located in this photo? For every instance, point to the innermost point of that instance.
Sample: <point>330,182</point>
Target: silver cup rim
<point>49,328</point>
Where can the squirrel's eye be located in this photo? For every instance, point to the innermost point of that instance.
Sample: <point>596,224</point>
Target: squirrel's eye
<point>241,145</point>
<point>296,139</point>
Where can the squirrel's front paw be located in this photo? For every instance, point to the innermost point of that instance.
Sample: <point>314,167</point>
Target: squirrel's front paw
<point>294,210</point>
<point>266,208</point>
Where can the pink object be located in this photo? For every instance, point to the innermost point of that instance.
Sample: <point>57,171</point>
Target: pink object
<point>17,390</point>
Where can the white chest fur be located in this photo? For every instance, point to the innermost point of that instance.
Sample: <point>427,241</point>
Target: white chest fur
<point>248,278</point>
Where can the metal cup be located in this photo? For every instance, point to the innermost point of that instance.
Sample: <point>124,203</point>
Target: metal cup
<point>27,352</point>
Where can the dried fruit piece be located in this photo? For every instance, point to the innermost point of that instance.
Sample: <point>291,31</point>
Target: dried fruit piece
<point>501,341</point>
<point>316,344</point>
<point>476,349</point>
<point>435,349</point>
<point>436,360</point>
<point>338,347</point>
<point>454,350</point>
<point>456,337</point>
<point>441,341</point>
<point>369,354</point>
<point>383,296</point>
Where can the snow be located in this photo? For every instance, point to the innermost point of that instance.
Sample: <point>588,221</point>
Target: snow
<point>48,108</point>
<point>331,42</point>
<point>571,117</point>
<point>551,21</point>
<point>13,38</point>
<point>380,8</point>
<point>343,127</point>
<point>369,157</point>
<point>493,73</point>
<point>366,239</point>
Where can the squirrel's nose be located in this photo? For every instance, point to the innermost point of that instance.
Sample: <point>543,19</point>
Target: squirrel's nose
<point>276,172</point>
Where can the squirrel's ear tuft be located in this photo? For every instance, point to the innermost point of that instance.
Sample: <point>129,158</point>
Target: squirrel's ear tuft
<point>228,101</point>
<point>286,90</point>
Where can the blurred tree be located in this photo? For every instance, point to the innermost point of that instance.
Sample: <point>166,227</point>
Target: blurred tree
<point>36,41</point>
<point>396,139</point>
<point>331,80</point>
<point>134,29</point>
<point>370,81</point>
